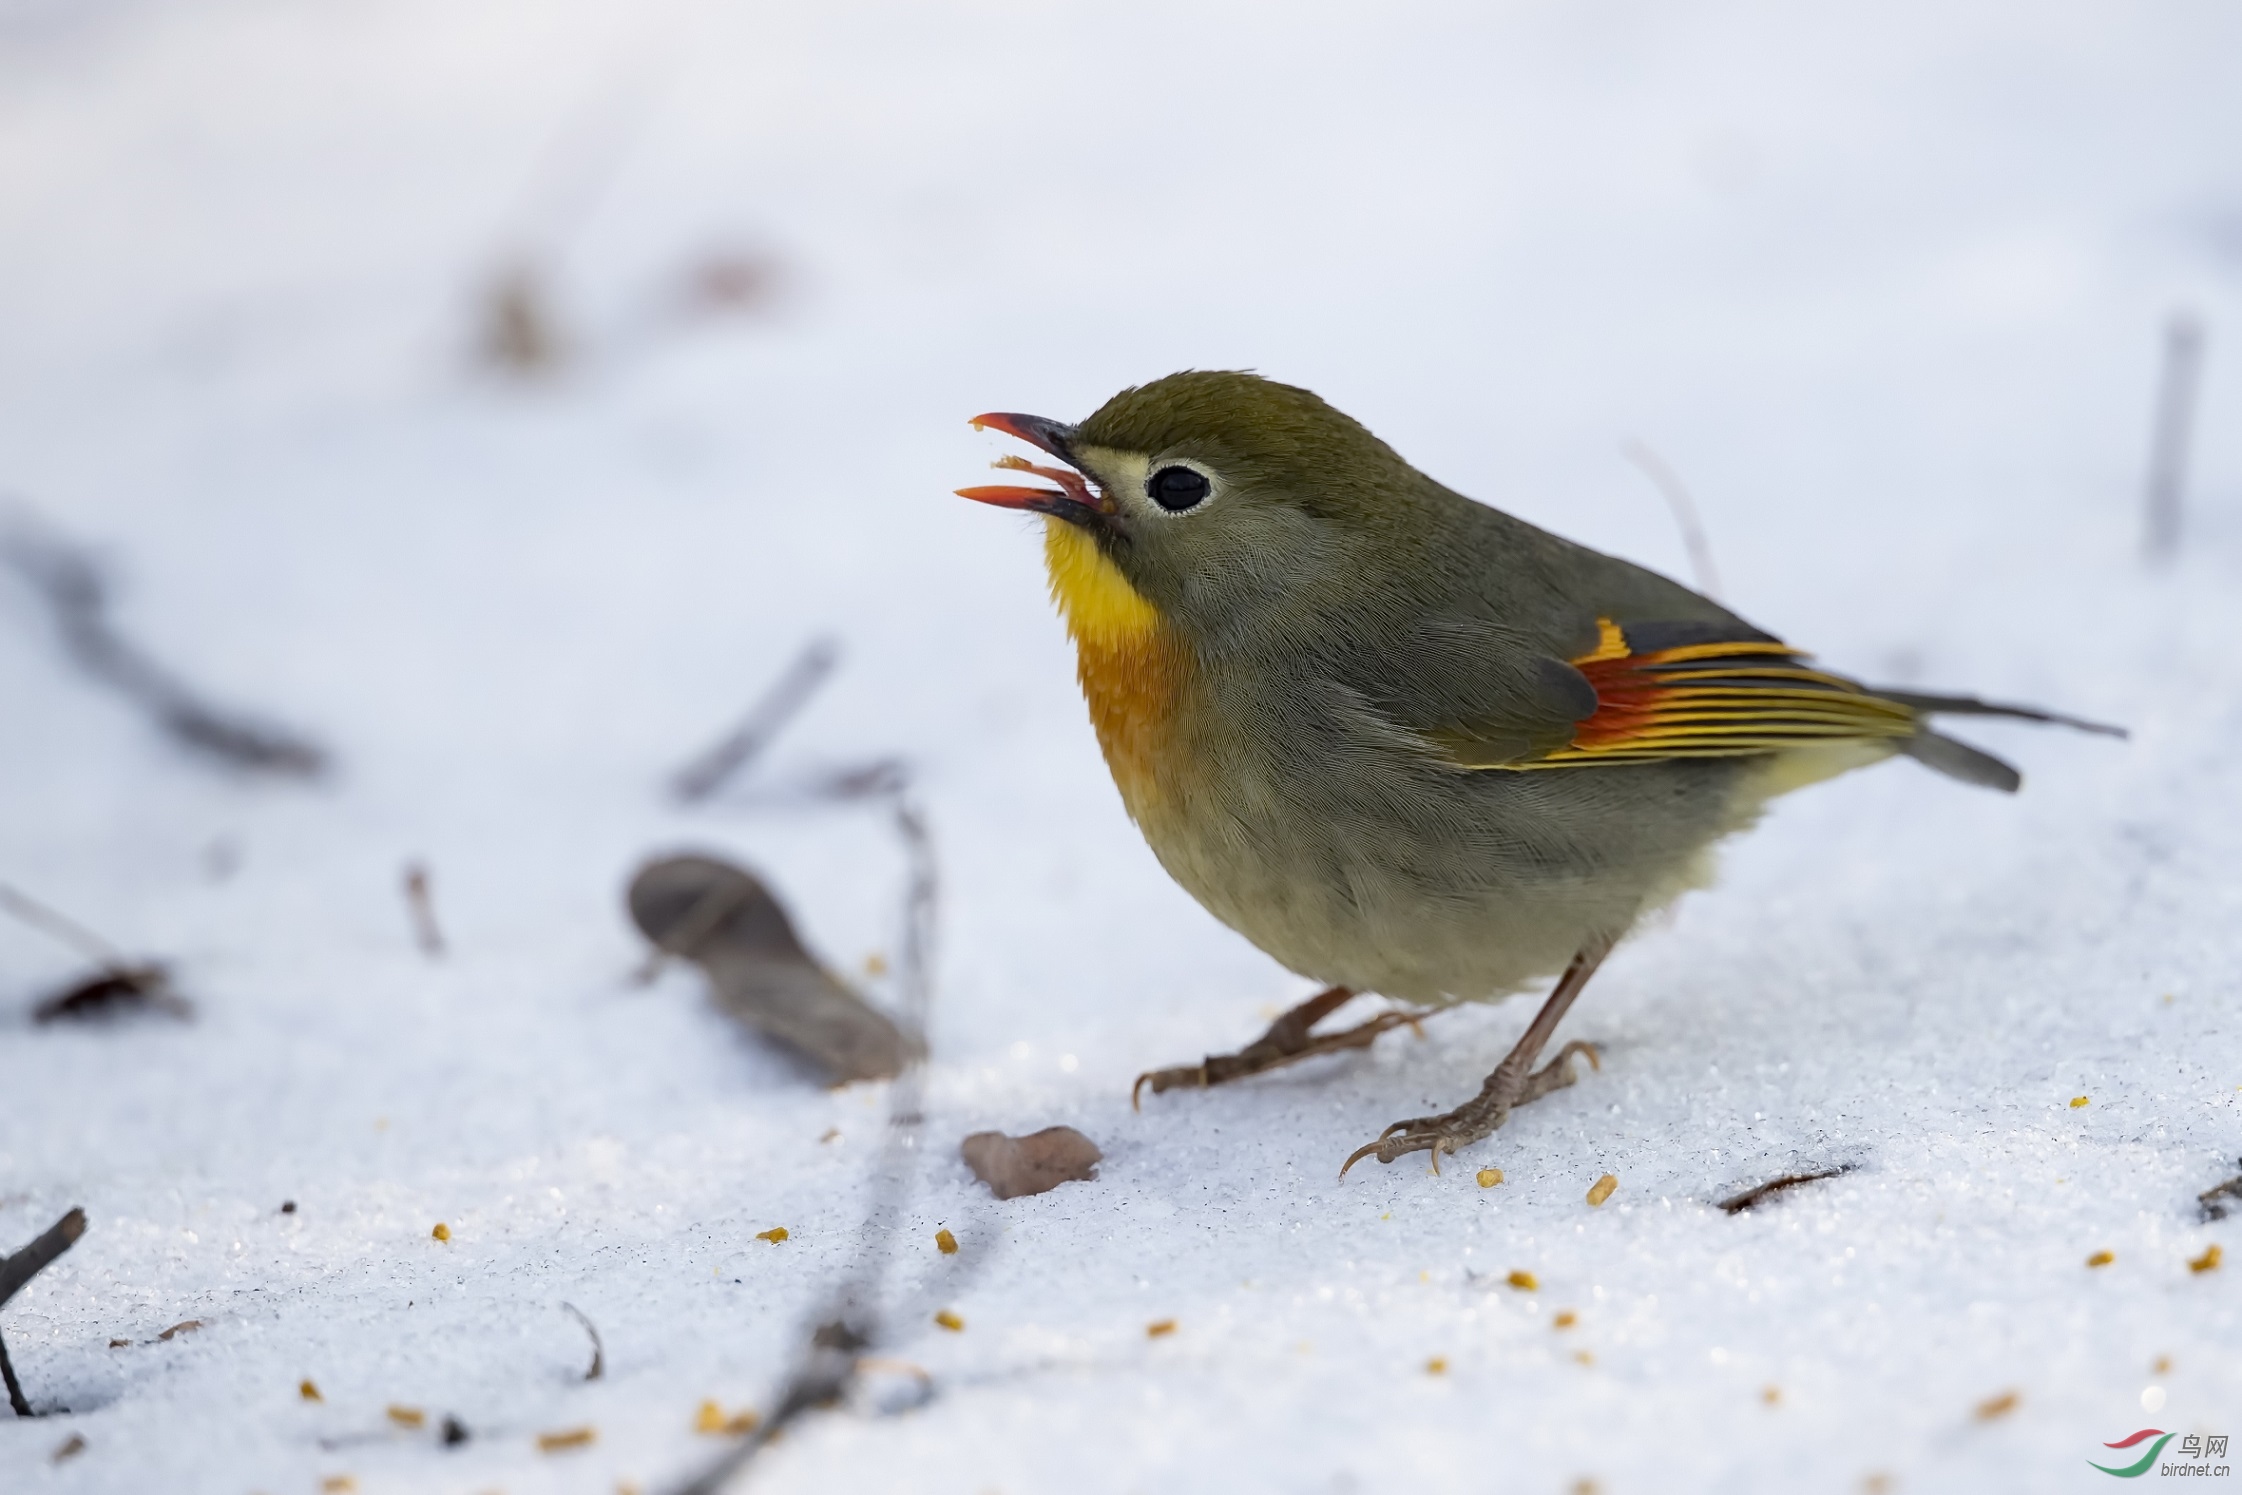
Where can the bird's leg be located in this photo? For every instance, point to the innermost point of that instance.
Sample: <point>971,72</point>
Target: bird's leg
<point>1514,1082</point>
<point>1287,1042</point>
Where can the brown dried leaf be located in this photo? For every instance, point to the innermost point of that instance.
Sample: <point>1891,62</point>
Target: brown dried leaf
<point>117,990</point>
<point>724,920</point>
<point>1035,1164</point>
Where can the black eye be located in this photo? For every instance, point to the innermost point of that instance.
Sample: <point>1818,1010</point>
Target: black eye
<point>1178,488</point>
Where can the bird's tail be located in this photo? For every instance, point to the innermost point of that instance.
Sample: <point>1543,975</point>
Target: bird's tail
<point>1958,760</point>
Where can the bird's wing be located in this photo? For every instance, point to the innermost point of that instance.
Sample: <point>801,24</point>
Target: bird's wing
<point>1657,691</point>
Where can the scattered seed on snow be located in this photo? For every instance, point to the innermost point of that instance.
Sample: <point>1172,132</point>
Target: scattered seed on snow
<point>308,1391</point>
<point>1437,1366</point>
<point>407,1417</point>
<point>442,1232</point>
<point>2077,1101</point>
<point>1159,1328</point>
<point>1997,1406</point>
<point>1525,1282</point>
<point>2101,1258</point>
<point>566,1439</point>
<point>1565,1318</point>
<point>945,1243</point>
<point>1602,1189</point>
<point>950,1321</point>
<point>774,1235</point>
<point>1489,1177</point>
<point>711,1419</point>
<point>2209,1260</point>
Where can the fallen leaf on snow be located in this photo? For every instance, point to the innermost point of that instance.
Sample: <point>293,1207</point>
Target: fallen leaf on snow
<point>1014,1167</point>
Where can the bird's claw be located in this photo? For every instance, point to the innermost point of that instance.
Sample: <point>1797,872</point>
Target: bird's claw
<point>1481,1116</point>
<point>1433,1134</point>
<point>1288,1041</point>
<point>1182,1077</point>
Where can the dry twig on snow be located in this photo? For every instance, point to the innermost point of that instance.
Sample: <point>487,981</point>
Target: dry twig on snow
<point>19,1269</point>
<point>1737,1204</point>
<point>67,579</point>
<point>851,1322</point>
<point>119,980</point>
<point>741,746</point>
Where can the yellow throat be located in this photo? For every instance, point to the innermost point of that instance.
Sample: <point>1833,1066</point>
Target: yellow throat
<point>1125,657</point>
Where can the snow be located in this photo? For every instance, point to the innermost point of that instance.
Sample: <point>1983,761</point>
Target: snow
<point>1884,286</point>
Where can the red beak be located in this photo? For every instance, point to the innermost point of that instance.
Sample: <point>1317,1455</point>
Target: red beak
<point>1073,501</point>
<point>1048,435</point>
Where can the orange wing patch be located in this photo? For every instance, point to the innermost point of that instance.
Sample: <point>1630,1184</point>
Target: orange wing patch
<point>1714,700</point>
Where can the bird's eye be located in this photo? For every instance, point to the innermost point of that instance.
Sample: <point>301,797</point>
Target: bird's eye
<point>1178,488</point>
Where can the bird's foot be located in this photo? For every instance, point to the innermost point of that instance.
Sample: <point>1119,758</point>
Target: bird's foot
<point>1288,1041</point>
<point>1509,1087</point>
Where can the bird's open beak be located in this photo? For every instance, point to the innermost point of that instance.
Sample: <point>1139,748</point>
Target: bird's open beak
<point>1074,500</point>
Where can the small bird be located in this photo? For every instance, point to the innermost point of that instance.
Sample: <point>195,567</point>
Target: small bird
<point>1403,742</point>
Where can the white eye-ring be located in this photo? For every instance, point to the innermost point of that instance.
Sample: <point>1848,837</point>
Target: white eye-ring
<point>1179,487</point>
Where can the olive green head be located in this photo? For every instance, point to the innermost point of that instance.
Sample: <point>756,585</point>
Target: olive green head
<point>1230,501</point>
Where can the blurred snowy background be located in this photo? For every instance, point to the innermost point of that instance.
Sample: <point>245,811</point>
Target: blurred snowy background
<point>1886,286</point>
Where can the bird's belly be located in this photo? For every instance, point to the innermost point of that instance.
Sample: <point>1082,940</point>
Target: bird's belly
<point>1359,865</point>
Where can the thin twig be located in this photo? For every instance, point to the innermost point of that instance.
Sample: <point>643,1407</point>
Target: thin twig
<point>579,164</point>
<point>16,1398</point>
<point>599,1351</point>
<point>2212,1201</point>
<point>26,1264</point>
<point>421,903</point>
<point>120,975</point>
<point>76,593</point>
<point>1685,514</point>
<point>850,1324</point>
<point>2175,420</point>
<point>62,927</point>
<point>703,776</point>
<point>1739,1203</point>
<point>19,1269</point>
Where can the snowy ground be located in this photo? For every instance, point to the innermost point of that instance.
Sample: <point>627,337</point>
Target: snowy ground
<point>1884,287</point>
